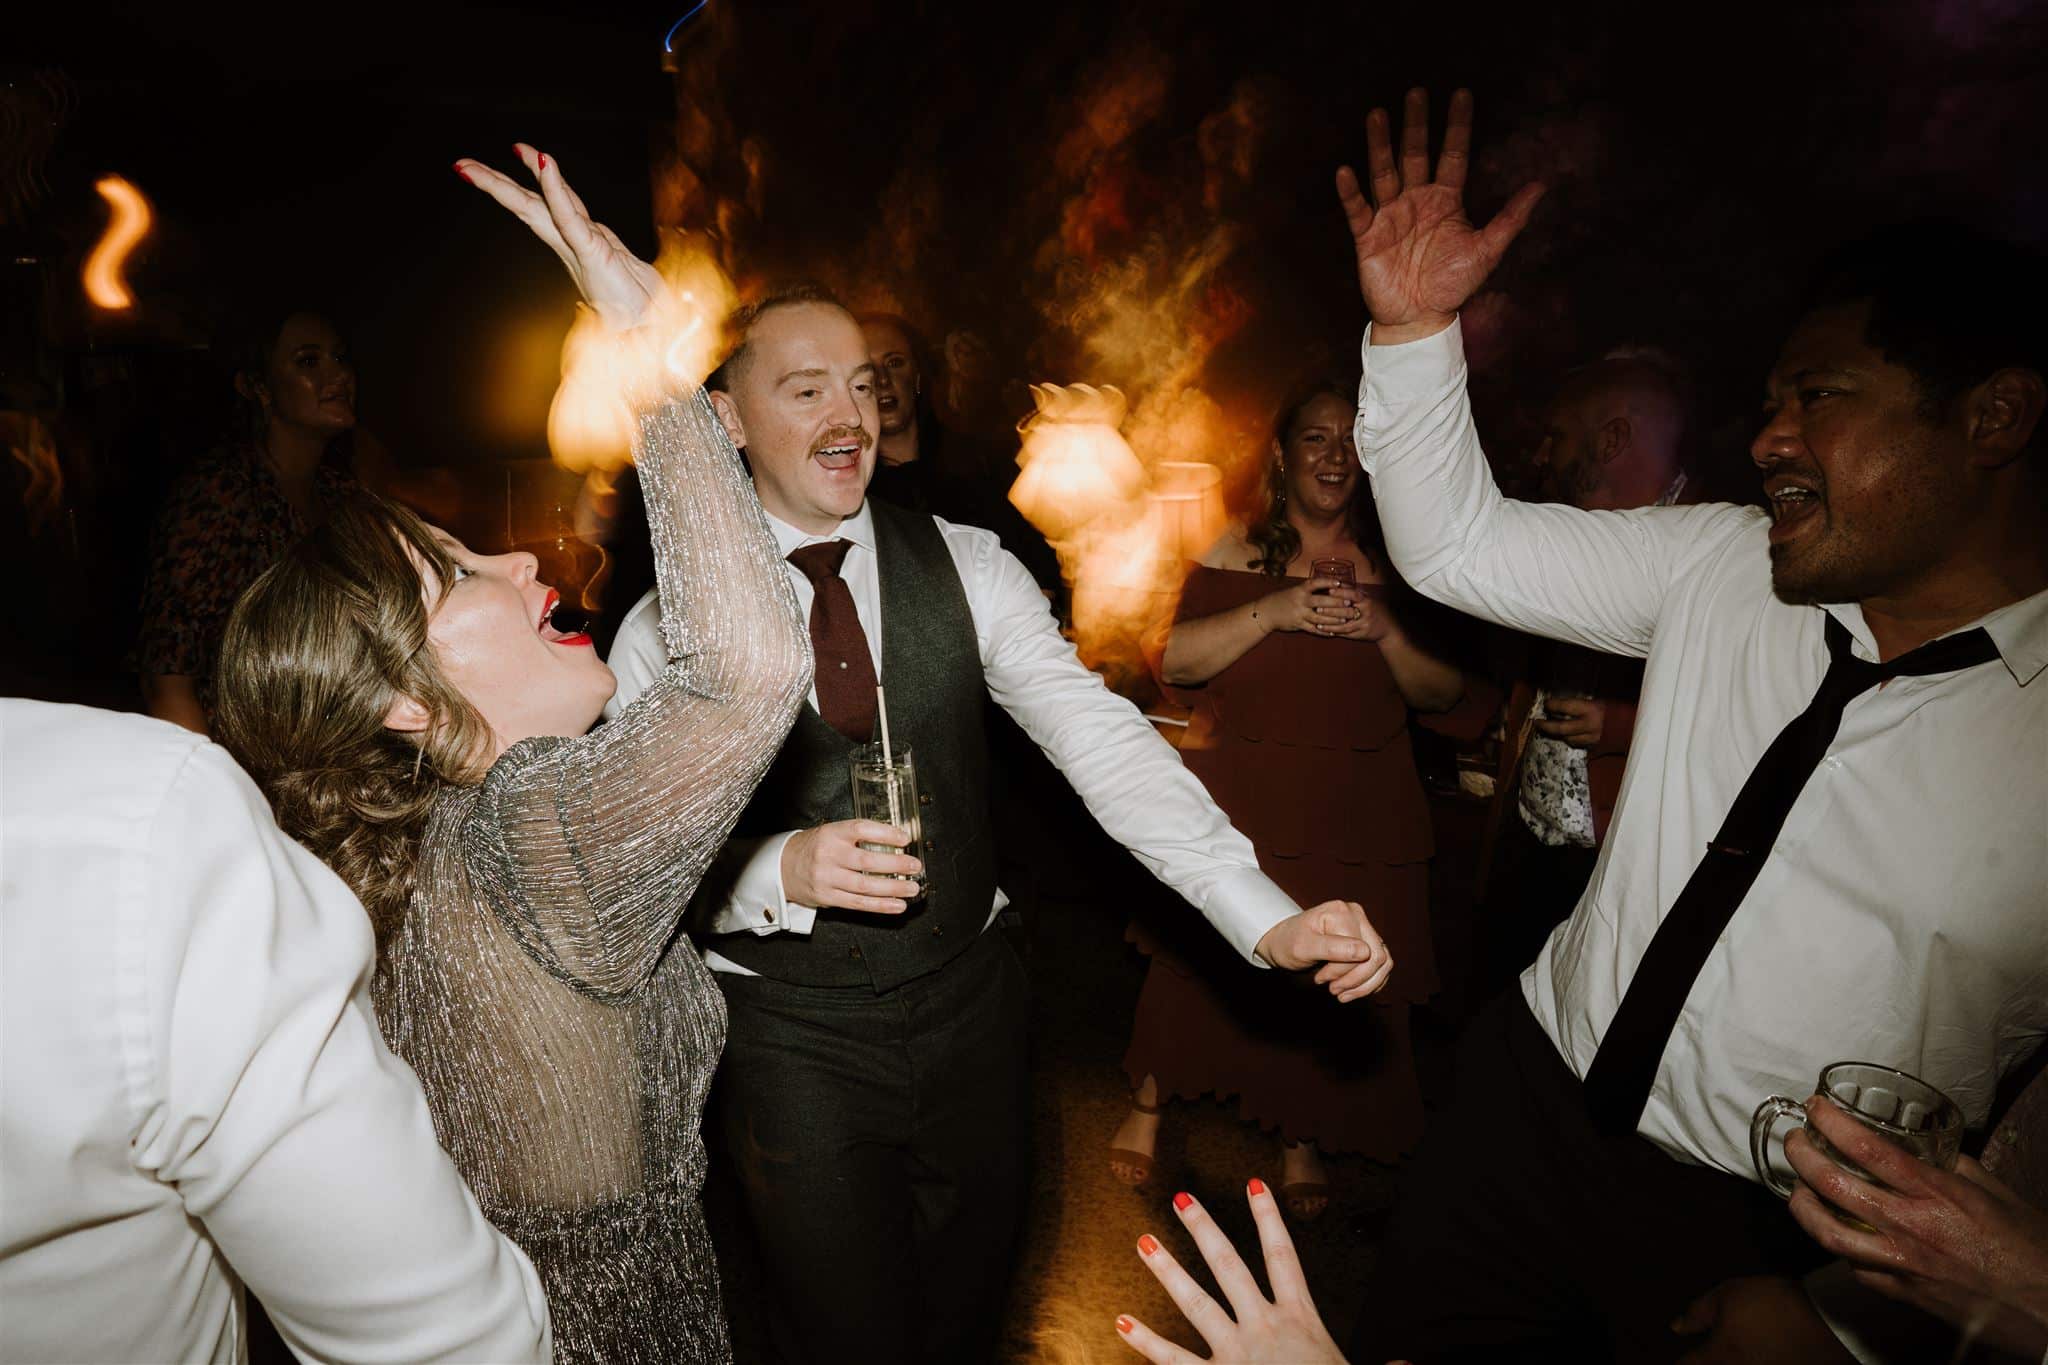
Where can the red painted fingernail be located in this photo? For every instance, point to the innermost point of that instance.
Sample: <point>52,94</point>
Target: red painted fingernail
<point>463,171</point>
<point>543,160</point>
<point>1182,1200</point>
<point>1256,1185</point>
<point>1124,1324</point>
<point>1148,1245</point>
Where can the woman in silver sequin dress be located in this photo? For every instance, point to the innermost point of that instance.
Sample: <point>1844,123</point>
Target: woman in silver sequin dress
<point>419,723</point>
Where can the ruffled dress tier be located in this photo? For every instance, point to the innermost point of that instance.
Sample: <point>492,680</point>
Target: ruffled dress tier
<point>1304,743</point>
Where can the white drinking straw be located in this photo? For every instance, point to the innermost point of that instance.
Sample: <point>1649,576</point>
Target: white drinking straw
<point>882,705</point>
<point>888,758</point>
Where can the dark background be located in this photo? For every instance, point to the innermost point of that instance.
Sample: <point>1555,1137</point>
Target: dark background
<point>972,165</point>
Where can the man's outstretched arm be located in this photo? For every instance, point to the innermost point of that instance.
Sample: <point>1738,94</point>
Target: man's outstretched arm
<point>1595,578</point>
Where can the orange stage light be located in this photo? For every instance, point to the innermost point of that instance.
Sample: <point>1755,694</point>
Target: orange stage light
<point>128,226</point>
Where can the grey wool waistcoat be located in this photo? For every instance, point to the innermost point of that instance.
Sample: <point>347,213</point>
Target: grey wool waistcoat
<point>931,667</point>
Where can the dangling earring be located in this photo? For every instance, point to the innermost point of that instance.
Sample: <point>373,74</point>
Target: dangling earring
<point>419,754</point>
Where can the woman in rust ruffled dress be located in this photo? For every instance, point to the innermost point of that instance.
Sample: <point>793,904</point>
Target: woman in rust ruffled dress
<point>1302,686</point>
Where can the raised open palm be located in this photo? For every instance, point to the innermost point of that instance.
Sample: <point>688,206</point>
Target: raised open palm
<point>617,284</point>
<point>1419,256</point>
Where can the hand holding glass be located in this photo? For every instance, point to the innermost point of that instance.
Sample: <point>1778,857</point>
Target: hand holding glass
<point>1339,569</point>
<point>885,789</point>
<point>1903,1109</point>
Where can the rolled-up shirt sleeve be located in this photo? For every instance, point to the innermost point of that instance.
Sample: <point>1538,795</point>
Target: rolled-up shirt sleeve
<point>1132,781</point>
<point>1594,578</point>
<point>262,1090</point>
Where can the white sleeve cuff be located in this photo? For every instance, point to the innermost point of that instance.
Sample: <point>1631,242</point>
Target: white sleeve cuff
<point>1244,905</point>
<point>758,904</point>
<point>1875,1329</point>
<point>1394,377</point>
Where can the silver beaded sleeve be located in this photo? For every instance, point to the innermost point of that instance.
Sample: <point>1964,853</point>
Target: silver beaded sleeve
<point>564,1036</point>
<point>592,847</point>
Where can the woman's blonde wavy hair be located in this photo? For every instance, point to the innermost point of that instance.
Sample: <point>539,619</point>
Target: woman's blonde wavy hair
<point>314,656</point>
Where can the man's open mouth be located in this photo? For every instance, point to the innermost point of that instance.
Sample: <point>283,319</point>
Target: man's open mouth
<point>1792,505</point>
<point>839,455</point>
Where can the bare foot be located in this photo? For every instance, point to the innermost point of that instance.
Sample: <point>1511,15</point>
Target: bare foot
<point>1137,1136</point>
<point>1304,1181</point>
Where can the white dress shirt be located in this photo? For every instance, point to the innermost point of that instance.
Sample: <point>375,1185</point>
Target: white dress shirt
<point>194,1095</point>
<point>1901,917</point>
<point>1131,779</point>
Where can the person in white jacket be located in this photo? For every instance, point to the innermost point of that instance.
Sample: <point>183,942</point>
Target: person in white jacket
<point>194,1096</point>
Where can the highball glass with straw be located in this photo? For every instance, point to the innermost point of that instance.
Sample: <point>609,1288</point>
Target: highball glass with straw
<point>885,789</point>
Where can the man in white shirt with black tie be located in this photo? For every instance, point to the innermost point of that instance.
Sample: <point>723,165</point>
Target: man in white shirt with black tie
<point>873,1088</point>
<point>1884,898</point>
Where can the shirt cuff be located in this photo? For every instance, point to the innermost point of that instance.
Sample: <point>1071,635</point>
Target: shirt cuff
<point>1874,1329</point>
<point>1244,905</point>
<point>1392,378</point>
<point>759,903</point>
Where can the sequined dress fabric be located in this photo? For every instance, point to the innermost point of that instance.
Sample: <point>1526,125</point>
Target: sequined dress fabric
<point>564,1048</point>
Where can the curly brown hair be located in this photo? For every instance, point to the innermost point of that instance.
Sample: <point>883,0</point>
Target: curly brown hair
<point>1272,535</point>
<point>314,655</point>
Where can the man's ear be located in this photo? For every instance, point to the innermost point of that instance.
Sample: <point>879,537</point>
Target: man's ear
<point>407,716</point>
<point>2003,413</point>
<point>1612,439</point>
<point>729,417</point>
<point>251,388</point>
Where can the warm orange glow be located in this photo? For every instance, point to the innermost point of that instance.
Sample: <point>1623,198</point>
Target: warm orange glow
<point>1123,533</point>
<point>1187,507</point>
<point>29,441</point>
<point>129,225</point>
<point>590,424</point>
<point>1078,470</point>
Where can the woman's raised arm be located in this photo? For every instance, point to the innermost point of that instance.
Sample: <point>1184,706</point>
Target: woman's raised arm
<point>593,846</point>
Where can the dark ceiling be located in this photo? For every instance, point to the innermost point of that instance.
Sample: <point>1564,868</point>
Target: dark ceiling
<point>923,154</point>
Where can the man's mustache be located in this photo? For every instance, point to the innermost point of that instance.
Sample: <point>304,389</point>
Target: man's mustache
<point>838,436</point>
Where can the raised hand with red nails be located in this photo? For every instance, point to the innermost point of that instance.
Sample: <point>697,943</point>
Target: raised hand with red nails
<point>1282,1330</point>
<point>618,285</point>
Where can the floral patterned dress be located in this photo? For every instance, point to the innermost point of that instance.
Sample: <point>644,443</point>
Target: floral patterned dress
<point>226,521</point>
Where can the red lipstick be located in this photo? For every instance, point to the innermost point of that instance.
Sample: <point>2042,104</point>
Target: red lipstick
<point>579,639</point>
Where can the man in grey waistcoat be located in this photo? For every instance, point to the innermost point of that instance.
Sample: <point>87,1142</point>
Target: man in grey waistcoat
<point>874,1088</point>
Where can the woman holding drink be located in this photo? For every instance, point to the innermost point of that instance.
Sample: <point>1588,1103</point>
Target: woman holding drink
<point>419,722</point>
<point>1290,648</point>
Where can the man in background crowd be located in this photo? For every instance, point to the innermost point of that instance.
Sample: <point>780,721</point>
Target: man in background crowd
<point>1611,439</point>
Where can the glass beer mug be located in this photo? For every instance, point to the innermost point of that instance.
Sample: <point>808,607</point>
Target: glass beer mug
<point>1902,1109</point>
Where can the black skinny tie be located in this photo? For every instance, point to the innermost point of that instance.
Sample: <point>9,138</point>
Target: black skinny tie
<point>1618,1083</point>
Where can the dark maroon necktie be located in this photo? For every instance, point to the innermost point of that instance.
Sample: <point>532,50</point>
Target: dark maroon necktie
<point>846,671</point>
<point>1623,1070</point>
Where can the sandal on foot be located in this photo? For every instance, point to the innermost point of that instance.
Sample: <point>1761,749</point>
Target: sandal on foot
<point>1299,1199</point>
<point>1141,1162</point>
<point>1305,1200</point>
